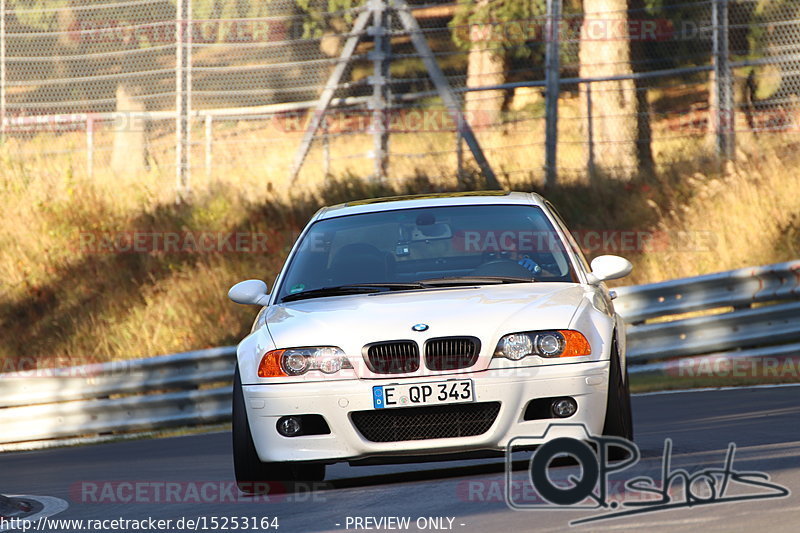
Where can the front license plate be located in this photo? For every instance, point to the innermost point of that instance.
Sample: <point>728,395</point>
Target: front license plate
<point>416,394</point>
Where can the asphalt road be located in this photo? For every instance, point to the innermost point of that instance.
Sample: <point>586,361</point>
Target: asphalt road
<point>101,481</point>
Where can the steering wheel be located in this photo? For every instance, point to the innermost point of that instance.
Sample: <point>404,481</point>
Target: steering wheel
<point>502,267</point>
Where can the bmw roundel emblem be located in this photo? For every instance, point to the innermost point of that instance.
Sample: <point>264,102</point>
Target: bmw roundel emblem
<point>420,327</point>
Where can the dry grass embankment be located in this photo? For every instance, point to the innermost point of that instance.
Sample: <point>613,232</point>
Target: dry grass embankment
<point>62,302</point>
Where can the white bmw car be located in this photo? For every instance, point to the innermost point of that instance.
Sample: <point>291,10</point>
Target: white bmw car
<point>421,327</point>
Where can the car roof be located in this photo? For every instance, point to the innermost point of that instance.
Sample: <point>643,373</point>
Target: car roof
<point>391,203</point>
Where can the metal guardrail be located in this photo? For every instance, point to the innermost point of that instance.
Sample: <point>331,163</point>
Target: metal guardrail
<point>40,407</point>
<point>188,370</point>
<point>750,313</point>
<point>735,288</point>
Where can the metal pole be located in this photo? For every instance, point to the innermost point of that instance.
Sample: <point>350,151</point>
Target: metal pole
<point>2,70</point>
<point>590,130</point>
<point>723,82</point>
<point>187,132</point>
<point>459,154</point>
<point>179,91</point>
<point>447,95</point>
<point>183,90</point>
<point>90,146</point>
<point>552,74</point>
<point>380,56</point>
<point>209,130</point>
<point>326,150</point>
<point>328,91</point>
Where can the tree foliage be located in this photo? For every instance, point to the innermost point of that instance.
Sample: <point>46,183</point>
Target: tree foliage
<point>54,14</point>
<point>321,16</point>
<point>513,23</point>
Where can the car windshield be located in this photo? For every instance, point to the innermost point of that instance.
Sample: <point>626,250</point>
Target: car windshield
<point>393,250</point>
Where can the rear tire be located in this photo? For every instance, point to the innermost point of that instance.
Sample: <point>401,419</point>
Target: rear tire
<point>252,475</point>
<point>619,419</point>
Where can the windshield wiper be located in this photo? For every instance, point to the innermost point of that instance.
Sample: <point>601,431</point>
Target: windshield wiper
<point>473,280</point>
<point>357,288</point>
<point>370,288</point>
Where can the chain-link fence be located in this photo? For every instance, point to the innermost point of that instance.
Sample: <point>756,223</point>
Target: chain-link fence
<point>294,91</point>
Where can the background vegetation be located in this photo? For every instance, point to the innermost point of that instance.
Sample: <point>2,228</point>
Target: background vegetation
<point>62,302</point>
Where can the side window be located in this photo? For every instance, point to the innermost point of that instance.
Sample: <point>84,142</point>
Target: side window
<point>572,243</point>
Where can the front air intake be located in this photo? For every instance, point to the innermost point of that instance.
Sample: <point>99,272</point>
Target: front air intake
<point>451,353</point>
<point>392,357</point>
<point>422,423</point>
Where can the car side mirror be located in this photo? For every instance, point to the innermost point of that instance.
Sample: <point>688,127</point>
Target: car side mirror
<point>606,267</point>
<point>249,292</point>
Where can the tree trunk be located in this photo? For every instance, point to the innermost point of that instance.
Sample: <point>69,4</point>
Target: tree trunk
<point>486,65</point>
<point>644,145</point>
<point>129,153</point>
<point>604,51</point>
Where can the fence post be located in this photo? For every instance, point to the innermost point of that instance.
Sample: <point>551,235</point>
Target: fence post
<point>89,145</point>
<point>724,119</point>
<point>326,149</point>
<point>552,77</point>
<point>2,71</point>
<point>590,131</point>
<point>183,95</point>
<point>381,57</point>
<point>459,155</point>
<point>209,130</point>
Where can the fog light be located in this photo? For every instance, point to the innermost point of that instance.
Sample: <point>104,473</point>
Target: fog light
<point>289,426</point>
<point>564,407</point>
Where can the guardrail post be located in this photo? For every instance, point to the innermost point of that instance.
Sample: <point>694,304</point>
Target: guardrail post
<point>552,73</point>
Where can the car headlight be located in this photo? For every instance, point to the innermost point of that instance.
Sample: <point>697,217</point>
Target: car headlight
<point>515,346</point>
<point>299,361</point>
<point>548,344</point>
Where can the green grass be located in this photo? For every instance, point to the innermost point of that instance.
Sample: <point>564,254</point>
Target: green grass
<point>656,381</point>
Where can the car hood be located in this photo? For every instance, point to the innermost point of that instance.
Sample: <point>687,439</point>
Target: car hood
<point>486,312</point>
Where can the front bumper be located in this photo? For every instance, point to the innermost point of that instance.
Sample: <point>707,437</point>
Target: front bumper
<point>336,400</point>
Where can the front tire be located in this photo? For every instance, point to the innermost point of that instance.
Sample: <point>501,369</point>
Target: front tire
<point>619,419</point>
<point>252,475</point>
